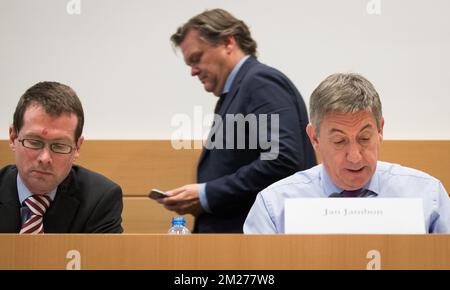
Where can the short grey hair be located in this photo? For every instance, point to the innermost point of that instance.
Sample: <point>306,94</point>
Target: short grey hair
<point>344,93</point>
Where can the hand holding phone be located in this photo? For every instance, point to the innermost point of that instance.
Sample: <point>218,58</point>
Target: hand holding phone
<point>156,194</point>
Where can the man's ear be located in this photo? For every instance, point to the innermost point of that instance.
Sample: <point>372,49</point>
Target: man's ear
<point>380,131</point>
<point>230,43</point>
<point>77,150</point>
<point>312,136</point>
<point>12,137</point>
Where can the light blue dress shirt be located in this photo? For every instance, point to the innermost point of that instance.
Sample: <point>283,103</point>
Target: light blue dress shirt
<point>226,89</point>
<point>390,180</point>
<point>24,193</point>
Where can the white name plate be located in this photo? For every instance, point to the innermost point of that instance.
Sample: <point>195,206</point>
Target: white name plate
<point>354,216</point>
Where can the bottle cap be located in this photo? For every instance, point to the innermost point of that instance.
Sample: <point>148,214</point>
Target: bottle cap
<point>178,221</point>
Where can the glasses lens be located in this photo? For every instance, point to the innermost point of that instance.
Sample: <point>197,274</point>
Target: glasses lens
<point>61,148</point>
<point>33,144</point>
<point>55,147</point>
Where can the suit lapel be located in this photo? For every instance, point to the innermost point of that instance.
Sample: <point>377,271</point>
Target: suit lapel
<point>10,221</point>
<point>251,61</point>
<point>62,211</point>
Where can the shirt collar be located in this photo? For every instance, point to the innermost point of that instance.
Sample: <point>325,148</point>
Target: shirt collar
<point>25,193</point>
<point>330,188</point>
<point>232,75</point>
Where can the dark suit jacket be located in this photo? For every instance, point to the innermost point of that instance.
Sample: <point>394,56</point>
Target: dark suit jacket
<point>85,202</point>
<point>234,177</point>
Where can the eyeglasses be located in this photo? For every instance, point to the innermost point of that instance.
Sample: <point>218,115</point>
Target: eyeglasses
<point>59,148</point>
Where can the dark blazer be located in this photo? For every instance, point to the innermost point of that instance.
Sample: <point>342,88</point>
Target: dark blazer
<point>85,202</point>
<point>234,177</point>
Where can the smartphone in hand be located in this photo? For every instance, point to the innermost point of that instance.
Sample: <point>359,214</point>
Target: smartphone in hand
<point>155,194</point>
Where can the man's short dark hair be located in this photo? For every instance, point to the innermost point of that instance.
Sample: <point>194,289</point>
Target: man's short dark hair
<point>55,98</point>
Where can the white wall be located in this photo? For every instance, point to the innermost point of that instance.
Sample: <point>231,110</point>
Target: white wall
<point>116,54</point>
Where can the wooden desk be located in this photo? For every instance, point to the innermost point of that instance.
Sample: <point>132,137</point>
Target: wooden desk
<point>250,252</point>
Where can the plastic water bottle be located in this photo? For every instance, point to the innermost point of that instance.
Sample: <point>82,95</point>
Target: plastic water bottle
<point>178,226</point>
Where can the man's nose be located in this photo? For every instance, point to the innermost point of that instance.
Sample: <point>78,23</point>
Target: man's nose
<point>45,155</point>
<point>194,71</point>
<point>354,153</point>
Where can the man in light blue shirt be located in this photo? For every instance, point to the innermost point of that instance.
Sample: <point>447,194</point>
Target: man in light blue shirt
<point>346,129</point>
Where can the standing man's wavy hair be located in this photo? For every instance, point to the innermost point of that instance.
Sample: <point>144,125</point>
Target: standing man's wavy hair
<point>213,26</point>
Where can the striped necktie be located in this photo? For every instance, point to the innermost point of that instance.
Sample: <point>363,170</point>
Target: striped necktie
<point>38,205</point>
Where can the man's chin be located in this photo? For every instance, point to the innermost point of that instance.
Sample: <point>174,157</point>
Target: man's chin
<point>42,187</point>
<point>208,89</point>
<point>41,191</point>
<point>352,182</point>
<point>356,184</point>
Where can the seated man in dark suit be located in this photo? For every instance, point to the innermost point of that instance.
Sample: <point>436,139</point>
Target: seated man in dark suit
<point>44,192</point>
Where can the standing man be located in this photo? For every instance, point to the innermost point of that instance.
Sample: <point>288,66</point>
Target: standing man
<point>347,129</point>
<point>256,100</point>
<point>44,192</point>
